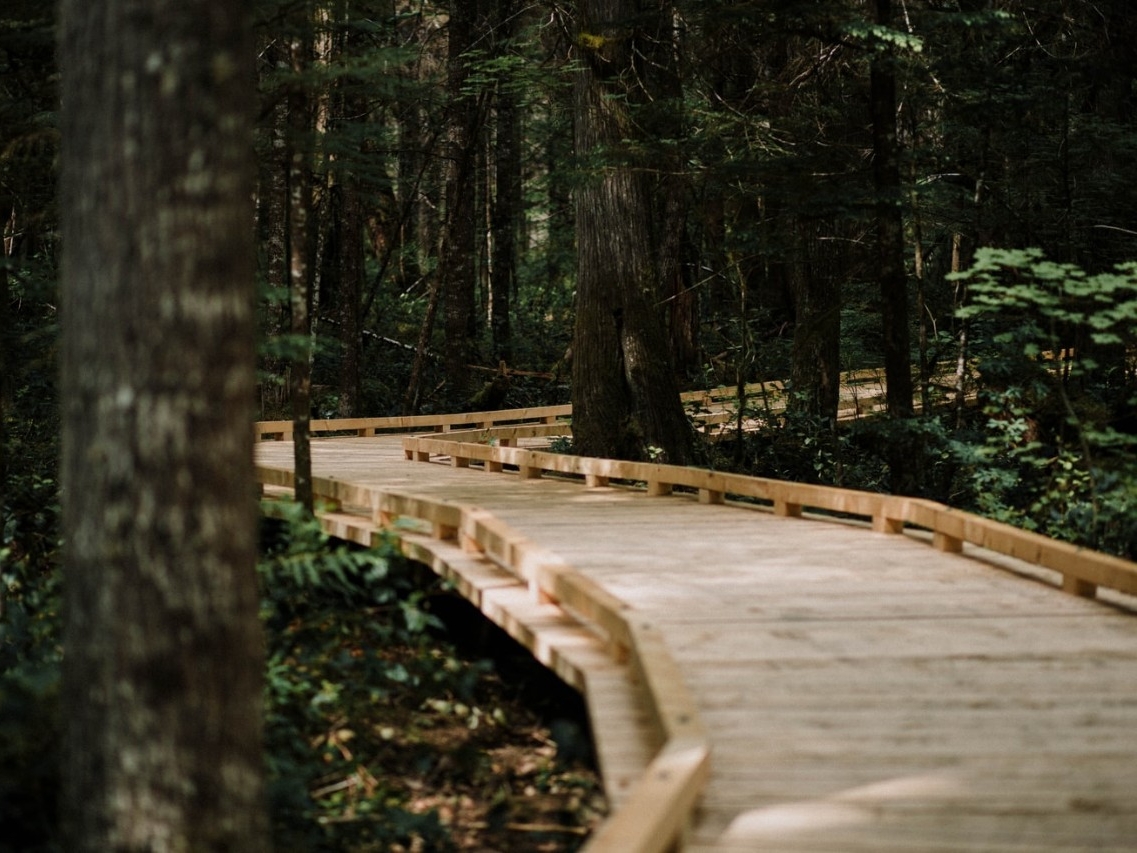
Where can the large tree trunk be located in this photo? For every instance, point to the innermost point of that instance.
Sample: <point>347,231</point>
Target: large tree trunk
<point>624,394</point>
<point>163,660</point>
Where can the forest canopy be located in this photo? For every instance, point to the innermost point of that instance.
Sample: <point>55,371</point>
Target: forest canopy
<point>446,198</point>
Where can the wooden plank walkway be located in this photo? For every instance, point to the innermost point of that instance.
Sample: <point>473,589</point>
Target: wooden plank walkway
<point>860,691</point>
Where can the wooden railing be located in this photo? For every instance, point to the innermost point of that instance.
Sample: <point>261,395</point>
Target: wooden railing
<point>282,430</point>
<point>1082,570</point>
<point>715,410</point>
<point>658,808</point>
<point>861,392</point>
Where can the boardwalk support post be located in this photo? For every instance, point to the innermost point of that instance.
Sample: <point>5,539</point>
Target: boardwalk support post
<point>711,496</point>
<point>948,544</point>
<point>786,509</point>
<point>881,523</point>
<point>1077,586</point>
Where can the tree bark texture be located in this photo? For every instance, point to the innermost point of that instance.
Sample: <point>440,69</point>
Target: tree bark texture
<point>624,393</point>
<point>163,665</point>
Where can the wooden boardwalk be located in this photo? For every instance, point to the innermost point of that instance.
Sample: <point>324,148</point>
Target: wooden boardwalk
<point>859,691</point>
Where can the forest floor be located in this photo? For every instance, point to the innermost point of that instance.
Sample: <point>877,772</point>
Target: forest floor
<point>510,770</point>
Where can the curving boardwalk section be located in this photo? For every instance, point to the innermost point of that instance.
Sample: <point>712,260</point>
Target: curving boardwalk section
<point>858,688</point>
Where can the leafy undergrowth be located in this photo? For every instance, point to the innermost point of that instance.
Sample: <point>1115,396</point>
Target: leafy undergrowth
<point>381,736</point>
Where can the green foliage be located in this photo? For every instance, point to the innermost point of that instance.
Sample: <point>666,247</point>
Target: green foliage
<point>366,710</point>
<point>1055,300</point>
<point>354,676</point>
<point>881,37</point>
<point>1058,397</point>
<point>332,614</point>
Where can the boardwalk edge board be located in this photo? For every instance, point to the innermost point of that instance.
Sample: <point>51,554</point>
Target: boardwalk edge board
<point>656,812</point>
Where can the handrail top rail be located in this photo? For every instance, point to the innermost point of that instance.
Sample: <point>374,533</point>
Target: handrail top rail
<point>439,422</point>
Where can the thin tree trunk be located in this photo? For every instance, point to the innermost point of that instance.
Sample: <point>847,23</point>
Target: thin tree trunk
<point>6,387</point>
<point>409,170</point>
<point>350,275</point>
<point>413,396</point>
<point>507,203</point>
<point>5,372</point>
<point>960,299</point>
<point>918,267</point>
<point>273,197</point>
<point>903,458</point>
<point>163,659</point>
<point>349,106</point>
<point>815,362</point>
<point>300,271</point>
<point>675,194</point>
<point>457,259</point>
<point>890,227</point>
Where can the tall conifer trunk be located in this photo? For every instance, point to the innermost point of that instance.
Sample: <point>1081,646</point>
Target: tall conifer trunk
<point>624,393</point>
